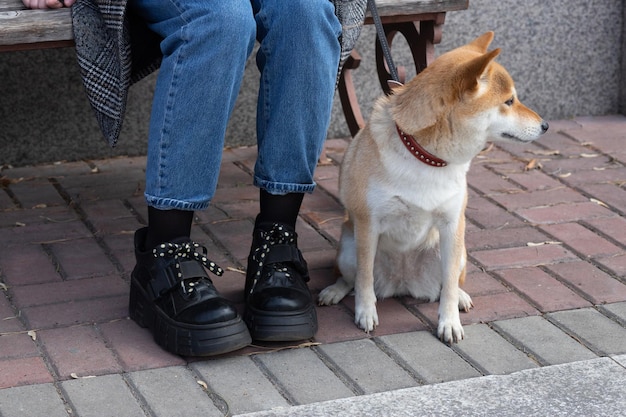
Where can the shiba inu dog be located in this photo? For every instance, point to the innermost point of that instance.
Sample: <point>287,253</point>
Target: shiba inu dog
<point>403,183</point>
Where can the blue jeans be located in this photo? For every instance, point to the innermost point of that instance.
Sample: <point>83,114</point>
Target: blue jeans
<point>205,48</point>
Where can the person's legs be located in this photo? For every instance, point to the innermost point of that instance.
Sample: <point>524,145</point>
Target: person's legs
<point>205,47</point>
<point>298,60</point>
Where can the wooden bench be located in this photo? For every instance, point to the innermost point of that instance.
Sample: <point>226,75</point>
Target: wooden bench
<point>24,29</point>
<point>419,21</point>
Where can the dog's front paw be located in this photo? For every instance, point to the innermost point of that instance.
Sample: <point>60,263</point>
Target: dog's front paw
<point>365,315</point>
<point>333,293</point>
<point>366,318</point>
<point>450,331</point>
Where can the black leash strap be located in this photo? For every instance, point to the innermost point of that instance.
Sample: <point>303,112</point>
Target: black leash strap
<point>382,39</point>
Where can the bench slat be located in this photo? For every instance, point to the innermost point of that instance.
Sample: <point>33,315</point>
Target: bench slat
<point>22,28</point>
<point>35,26</point>
<point>391,8</point>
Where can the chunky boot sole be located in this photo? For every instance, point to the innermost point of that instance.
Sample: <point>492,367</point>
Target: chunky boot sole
<point>182,338</point>
<point>281,326</point>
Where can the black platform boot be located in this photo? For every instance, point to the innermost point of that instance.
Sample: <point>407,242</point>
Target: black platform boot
<point>279,305</point>
<point>172,295</point>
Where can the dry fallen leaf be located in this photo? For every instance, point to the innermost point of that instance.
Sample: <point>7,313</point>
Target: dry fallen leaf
<point>548,242</point>
<point>486,150</point>
<point>324,160</point>
<point>598,202</point>
<point>75,376</point>
<point>545,153</point>
<point>532,164</point>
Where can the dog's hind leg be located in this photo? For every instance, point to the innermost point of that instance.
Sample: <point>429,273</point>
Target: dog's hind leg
<point>465,301</point>
<point>346,264</point>
<point>334,293</point>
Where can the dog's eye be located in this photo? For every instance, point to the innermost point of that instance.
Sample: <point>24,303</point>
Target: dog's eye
<point>510,101</point>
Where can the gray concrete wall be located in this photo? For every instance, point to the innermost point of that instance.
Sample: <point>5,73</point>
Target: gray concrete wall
<point>567,57</point>
<point>622,104</point>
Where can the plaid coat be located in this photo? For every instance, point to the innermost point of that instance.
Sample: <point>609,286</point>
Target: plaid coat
<point>115,49</point>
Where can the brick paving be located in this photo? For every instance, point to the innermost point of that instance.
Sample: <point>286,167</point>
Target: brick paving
<point>546,238</point>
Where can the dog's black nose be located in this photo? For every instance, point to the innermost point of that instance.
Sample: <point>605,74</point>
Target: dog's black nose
<point>544,126</point>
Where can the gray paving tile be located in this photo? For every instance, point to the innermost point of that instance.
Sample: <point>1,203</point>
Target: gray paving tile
<point>173,391</point>
<point>303,376</point>
<point>240,383</point>
<point>432,360</point>
<point>543,340</point>
<point>617,311</point>
<point>621,359</point>
<point>598,332</point>
<point>579,389</point>
<point>107,395</point>
<point>491,353</point>
<point>368,366</point>
<point>33,400</point>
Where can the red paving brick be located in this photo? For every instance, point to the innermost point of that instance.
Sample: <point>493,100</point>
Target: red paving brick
<point>336,324</point>
<point>135,346</point>
<point>23,371</point>
<point>9,321</point>
<point>78,350</point>
<point>88,262</point>
<point>67,270</point>
<point>582,240</point>
<point>527,199</point>
<point>566,212</point>
<point>500,306</point>
<point>27,264</point>
<point>68,291</point>
<point>76,312</point>
<point>615,264</point>
<point>393,317</point>
<point>543,291</point>
<point>614,227</point>
<point>18,345</point>
<point>480,283</point>
<point>481,239</point>
<point>488,215</point>
<point>596,285</point>
<point>523,256</point>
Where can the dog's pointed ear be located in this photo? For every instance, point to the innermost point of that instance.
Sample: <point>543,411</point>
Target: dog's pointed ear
<point>481,43</point>
<point>476,69</point>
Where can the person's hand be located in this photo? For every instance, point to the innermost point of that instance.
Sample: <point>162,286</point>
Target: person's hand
<point>47,4</point>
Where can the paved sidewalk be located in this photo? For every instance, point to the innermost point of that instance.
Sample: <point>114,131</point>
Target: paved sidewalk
<point>546,239</point>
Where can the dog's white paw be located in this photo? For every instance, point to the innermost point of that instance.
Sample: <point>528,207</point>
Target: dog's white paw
<point>450,331</point>
<point>333,293</point>
<point>366,318</point>
<point>465,301</point>
<point>365,315</point>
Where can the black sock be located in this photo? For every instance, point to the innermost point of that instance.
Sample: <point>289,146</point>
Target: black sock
<point>167,225</point>
<point>280,208</point>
